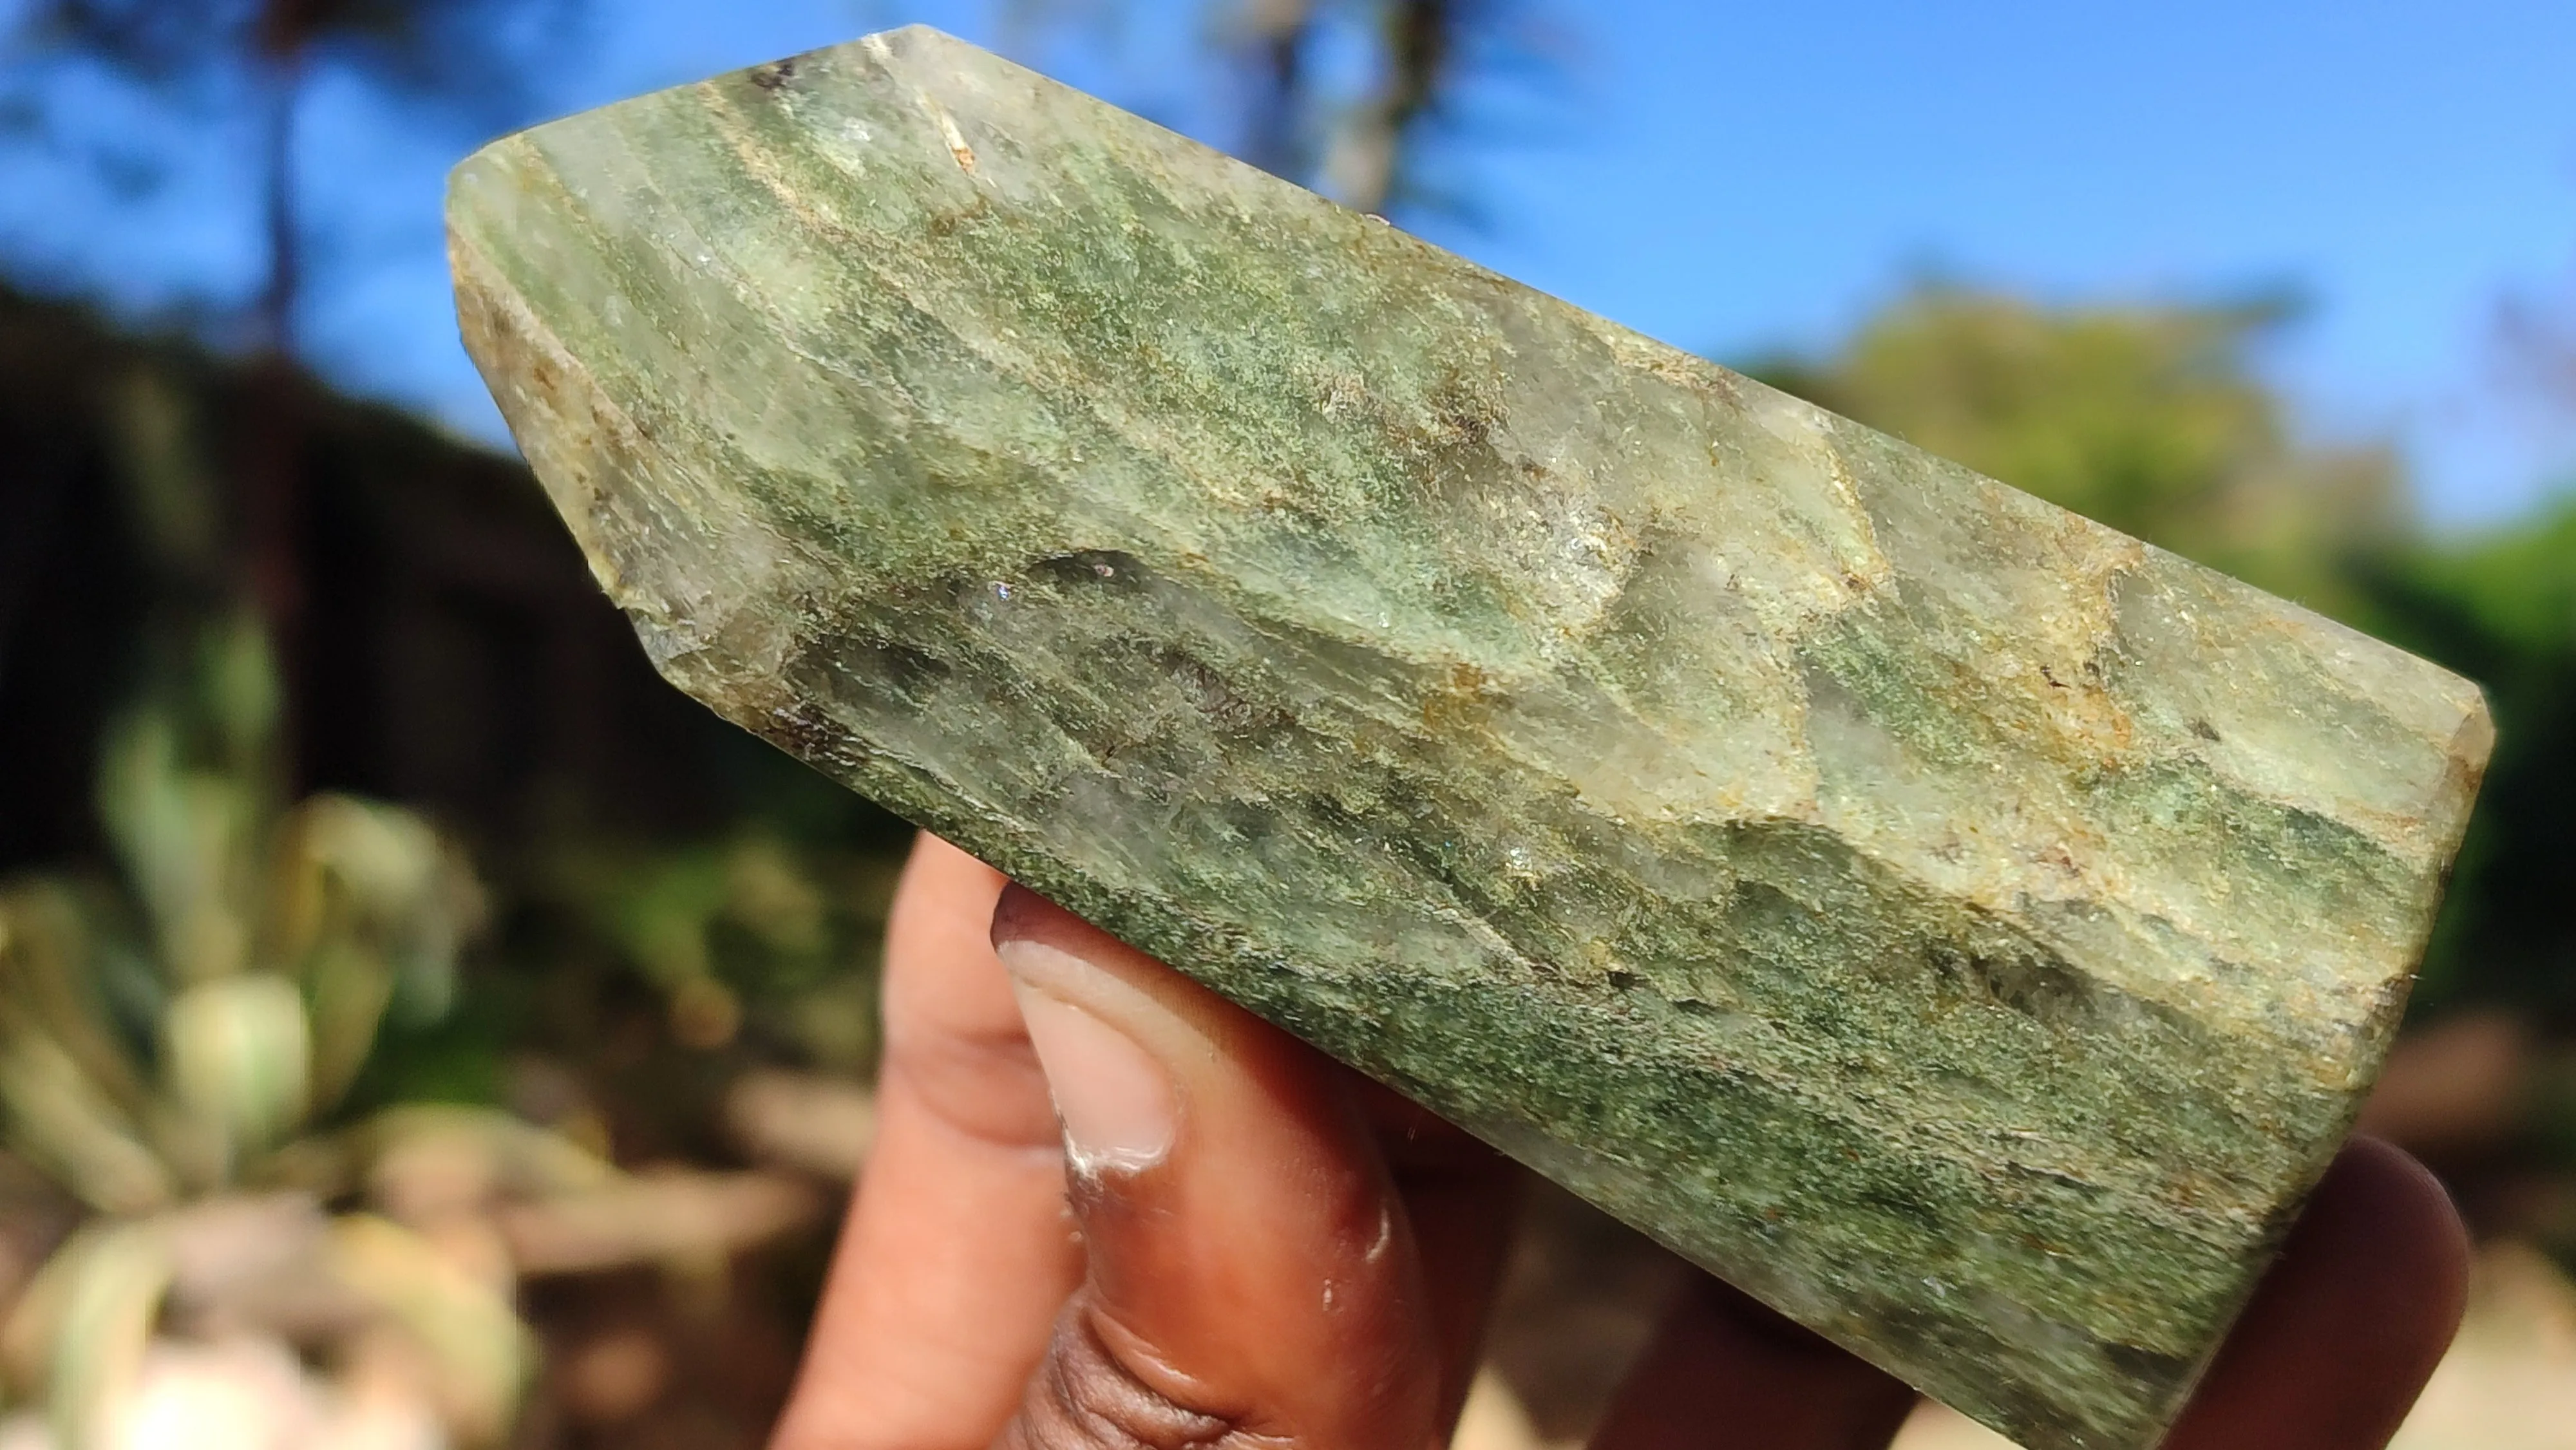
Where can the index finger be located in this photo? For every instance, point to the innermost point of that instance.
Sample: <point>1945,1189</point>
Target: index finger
<point>960,1248</point>
<point>2347,1327</point>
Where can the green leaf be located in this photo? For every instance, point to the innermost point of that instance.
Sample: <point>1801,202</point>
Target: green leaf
<point>87,1321</point>
<point>238,1059</point>
<point>185,840</point>
<point>350,988</point>
<point>50,955</point>
<point>480,1351</point>
<point>355,879</point>
<point>62,1122</point>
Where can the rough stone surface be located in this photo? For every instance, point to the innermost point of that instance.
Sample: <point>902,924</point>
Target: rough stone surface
<point>1960,925</point>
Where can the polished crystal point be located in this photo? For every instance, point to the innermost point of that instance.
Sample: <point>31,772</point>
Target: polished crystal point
<point>1964,927</point>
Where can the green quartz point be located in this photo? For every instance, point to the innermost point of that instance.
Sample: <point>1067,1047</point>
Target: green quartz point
<point>1964,927</point>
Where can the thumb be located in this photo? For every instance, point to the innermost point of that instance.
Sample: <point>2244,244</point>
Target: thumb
<point>1250,1271</point>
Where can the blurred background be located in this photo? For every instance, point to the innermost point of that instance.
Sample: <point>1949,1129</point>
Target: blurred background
<point>419,1027</point>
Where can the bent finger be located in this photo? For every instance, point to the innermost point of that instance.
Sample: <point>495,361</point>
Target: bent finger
<point>959,1250</point>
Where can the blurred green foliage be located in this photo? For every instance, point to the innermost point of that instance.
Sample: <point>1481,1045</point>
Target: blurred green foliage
<point>2156,420</point>
<point>2151,419</point>
<point>176,1041</point>
<point>243,1033</point>
<point>753,934</point>
<point>2501,608</point>
<point>220,992</point>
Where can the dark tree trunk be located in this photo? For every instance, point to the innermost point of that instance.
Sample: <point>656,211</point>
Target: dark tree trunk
<point>280,220</point>
<point>1421,43</point>
<point>272,462</point>
<point>1275,136</point>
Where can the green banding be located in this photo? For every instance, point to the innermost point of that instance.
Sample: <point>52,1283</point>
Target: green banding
<point>1963,927</point>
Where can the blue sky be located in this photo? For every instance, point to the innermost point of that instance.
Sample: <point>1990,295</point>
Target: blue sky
<point>1733,178</point>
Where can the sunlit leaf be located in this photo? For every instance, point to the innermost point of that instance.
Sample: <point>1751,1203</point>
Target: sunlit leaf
<point>185,838</point>
<point>50,985</point>
<point>237,1057</point>
<point>349,987</point>
<point>482,1352</point>
<point>370,907</point>
<point>240,693</point>
<point>87,1320</point>
<point>60,1120</point>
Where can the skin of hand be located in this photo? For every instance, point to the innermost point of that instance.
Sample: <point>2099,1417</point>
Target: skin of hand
<point>1108,1208</point>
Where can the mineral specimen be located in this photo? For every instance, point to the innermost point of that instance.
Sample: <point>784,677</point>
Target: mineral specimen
<point>1966,928</point>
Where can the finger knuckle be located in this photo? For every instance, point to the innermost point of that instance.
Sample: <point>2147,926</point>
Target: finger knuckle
<point>1086,1398</point>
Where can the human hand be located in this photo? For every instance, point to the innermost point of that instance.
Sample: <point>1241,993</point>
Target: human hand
<point>1232,1240</point>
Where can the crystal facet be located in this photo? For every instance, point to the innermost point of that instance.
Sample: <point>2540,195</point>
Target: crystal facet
<point>1964,927</point>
